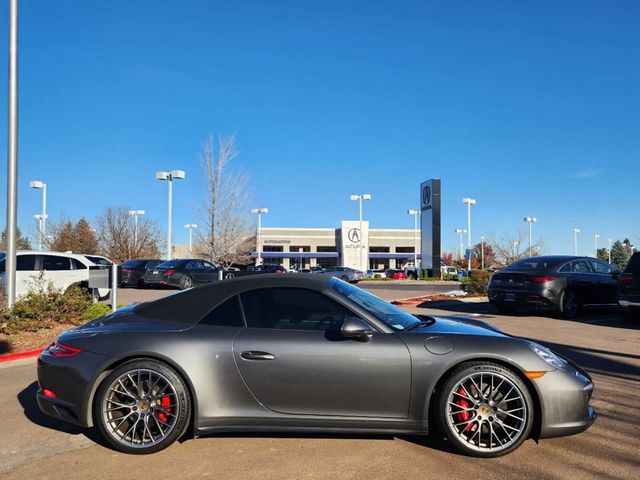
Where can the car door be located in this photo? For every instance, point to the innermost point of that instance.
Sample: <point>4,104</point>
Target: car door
<point>194,270</point>
<point>26,273</point>
<point>607,276</point>
<point>57,270</point>
<point>581,280</point>
<point>209,272</point>
<point>294,360</point>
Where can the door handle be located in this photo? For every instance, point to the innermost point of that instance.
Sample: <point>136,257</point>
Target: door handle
<point>257,355</point>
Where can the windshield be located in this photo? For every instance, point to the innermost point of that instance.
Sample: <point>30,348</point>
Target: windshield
<point>393,316</point>
<point>98,260</point>
<point>171,264</point>
<point>533,264</point>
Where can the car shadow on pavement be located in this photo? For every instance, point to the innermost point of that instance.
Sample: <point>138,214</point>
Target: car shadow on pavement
<point>27,400</point>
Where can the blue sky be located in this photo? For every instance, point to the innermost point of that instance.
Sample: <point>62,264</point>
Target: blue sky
<point>530,107</point>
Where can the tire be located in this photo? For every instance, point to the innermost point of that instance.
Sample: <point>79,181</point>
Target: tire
<point>186,282</point>
<point>345,278</point>
<point>568,305</point>
<point>141,435</point>
<point>141,284</point>
<point>469,409</point>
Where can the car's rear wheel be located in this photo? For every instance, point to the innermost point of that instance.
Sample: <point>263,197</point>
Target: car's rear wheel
<point>568,304</point>
<point>186,282</point>
<point>345,278</point>
<point>484,409</point>
<point>142,407</point>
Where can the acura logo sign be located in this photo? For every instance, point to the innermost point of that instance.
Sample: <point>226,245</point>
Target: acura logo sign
<point>354,235</point>
<point>426,196</point>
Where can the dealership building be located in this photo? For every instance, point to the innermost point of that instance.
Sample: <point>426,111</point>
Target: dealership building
<point>352,245</point>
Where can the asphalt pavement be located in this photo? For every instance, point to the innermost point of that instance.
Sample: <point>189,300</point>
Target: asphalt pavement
<point>36,446</point>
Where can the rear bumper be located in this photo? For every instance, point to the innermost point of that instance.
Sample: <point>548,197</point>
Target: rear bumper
<point>72,379</point>
<point>540,300</point>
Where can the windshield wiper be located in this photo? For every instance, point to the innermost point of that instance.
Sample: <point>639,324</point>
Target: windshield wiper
<point>421,323</point>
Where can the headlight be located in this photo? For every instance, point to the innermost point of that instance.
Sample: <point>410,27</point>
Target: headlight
<point>548,356</point>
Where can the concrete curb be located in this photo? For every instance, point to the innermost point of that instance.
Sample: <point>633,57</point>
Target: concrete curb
<point>8,357</point>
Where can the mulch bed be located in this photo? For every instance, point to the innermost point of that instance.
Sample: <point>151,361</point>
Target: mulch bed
<point>21,342</point>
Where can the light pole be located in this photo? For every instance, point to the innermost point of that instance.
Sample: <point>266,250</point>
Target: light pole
<point>42,218</point>
<point>469,201</point>
<point>482,252</point>
<point>461,231</point>
<point>170,177</point>
<point>530,221</point>
<point>576,231</point>
<point>609,240</point>
<point>259,212</point>
<point>515,250</point>
<point>359,199</point>
<point>190,226</point>
<point>595,243</point>
<point>416,214</point>
<point>135,214</point>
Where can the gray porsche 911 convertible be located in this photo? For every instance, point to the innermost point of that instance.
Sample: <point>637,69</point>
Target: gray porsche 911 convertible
<point>302,353</point>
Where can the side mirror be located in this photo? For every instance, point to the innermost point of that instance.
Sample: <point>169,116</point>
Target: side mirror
<point>356,328</point>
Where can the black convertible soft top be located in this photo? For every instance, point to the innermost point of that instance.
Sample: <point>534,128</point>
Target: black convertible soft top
<point>191,305</point>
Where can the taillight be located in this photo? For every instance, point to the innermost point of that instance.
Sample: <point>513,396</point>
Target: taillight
<point>543,279</point>
<point>279,271</point>
<point>47,393</point>
<point>626,278</point>
<point>170,272</point>
<point>60,350</point>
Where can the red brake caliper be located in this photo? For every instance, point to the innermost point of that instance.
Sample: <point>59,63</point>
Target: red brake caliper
<point>463,416</point>
<point>164,403</point>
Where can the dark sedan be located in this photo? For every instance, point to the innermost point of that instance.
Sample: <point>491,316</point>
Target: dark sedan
<point>629,289</point>
<point>132,271</point>
<point>183,273</point>
<point>306,353</point>
<point>563,284</point>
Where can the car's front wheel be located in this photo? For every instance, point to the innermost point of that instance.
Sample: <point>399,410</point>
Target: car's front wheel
<point>568,304</point>
<point>142,407</point>
<point>186,282</point>
<point>484,409</point>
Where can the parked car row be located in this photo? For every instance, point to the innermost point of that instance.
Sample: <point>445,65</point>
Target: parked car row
<point>566,284</point>
<point>61,270</point>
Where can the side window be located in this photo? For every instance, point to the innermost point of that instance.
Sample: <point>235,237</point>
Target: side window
<point>292,309</point>
<point>209,265</point>
<point>580,266</point>
<point>26,262</point>
<point>601,267</point>
<point>566,268</point>
<point>228,314</point>
<point>78,265</point>
<point>54,263</point>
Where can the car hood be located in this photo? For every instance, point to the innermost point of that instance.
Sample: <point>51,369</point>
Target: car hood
<point>457,325</point>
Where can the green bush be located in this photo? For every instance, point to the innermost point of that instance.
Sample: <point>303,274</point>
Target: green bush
<point>476,283</point>
<point>43,307</point>
<point>96,310</point>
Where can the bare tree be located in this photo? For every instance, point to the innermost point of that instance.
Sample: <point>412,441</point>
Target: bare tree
<point>224,213</point>
<point>511,248</point>
<point>118,239</point>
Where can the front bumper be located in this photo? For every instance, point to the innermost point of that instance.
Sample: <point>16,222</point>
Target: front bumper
<point>564,402</point>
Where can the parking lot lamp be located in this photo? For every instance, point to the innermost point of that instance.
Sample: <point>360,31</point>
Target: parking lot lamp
<point>469,201</point>
<point>576,231</point>
<point>609,240</point>
<point>530,221</point>
<point>595,243</point>
<point>135,214</point>
<point>482,252</point>
<point>416,214</point>
<point>461,231</point>
<point>259,212</point>
<point>190,226</point>
<point>42,218</point>
<point>170,177</point>
<point>359,199</point>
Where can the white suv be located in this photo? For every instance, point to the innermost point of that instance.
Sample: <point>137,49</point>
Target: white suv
<point>62,270</point>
